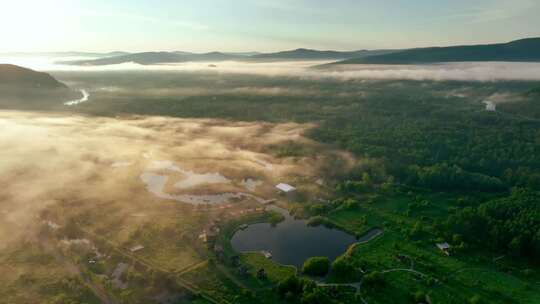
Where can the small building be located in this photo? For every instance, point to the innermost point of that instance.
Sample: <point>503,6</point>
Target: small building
<point>490,106</point>
<point>209,235</point>
<point>287,190</point>
<point>444,247</point>
<point>266,254</point>
<point>136,248</point>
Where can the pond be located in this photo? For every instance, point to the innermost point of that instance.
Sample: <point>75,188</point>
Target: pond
<point>292,241</point>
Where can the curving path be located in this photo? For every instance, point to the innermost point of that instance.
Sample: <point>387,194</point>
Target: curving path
<point>423,275</point>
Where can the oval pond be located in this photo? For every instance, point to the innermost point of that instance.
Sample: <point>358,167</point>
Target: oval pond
<point>292,241</point>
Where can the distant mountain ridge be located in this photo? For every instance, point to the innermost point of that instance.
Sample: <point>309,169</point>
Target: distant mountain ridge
<point>309,54</point>
<point>524,50</point>
<point>147,58</point>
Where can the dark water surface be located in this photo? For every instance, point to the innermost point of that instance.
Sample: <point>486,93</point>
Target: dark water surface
<point>291,242</point>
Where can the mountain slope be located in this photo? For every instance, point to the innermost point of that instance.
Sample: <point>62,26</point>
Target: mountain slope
<point>25,89</point>
<point>13,76</point>
<point>525,50</point>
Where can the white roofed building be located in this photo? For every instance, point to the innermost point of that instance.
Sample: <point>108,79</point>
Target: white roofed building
<point>287,190</point>
<point>444,247</point>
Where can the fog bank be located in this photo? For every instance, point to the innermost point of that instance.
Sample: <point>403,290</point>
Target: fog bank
<point>48,159</point>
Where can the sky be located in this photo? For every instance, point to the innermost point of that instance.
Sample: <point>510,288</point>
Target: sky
<point>259,25</point>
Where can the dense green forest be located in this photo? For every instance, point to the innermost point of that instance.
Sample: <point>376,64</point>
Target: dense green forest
<point>510,225</point>
<point>436,146</point>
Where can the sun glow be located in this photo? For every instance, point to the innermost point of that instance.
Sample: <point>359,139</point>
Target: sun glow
<point>34,25</point>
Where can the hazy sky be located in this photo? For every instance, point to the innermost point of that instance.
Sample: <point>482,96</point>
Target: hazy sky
<point>260,25</point>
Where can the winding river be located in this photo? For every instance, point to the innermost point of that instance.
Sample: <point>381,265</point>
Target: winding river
<point>84,98</point>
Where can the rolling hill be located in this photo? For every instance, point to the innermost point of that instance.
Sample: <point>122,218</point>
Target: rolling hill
<point>524,50</point>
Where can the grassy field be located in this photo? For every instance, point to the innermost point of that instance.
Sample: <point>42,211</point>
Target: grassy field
<point>445,279</point>
<point>212,281</point>
<point>274,271</point>
<point>30,275</point>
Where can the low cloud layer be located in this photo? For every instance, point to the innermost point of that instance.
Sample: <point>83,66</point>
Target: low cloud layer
<point>204,91</point>
<point>485,71</point>
<point>488,71</point>
<point>474,71</point>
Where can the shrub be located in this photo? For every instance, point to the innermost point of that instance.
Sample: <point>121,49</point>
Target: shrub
<point>476,299</point>
<point>343,269</point>
<point>289,287</point>
<point>316,266</point>
<point>315,221</point>
<point>374,279</point>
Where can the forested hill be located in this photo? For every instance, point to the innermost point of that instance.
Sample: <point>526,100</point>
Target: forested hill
<point>12,77</point>
<point>524,50</point>
<point>25,89</point>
